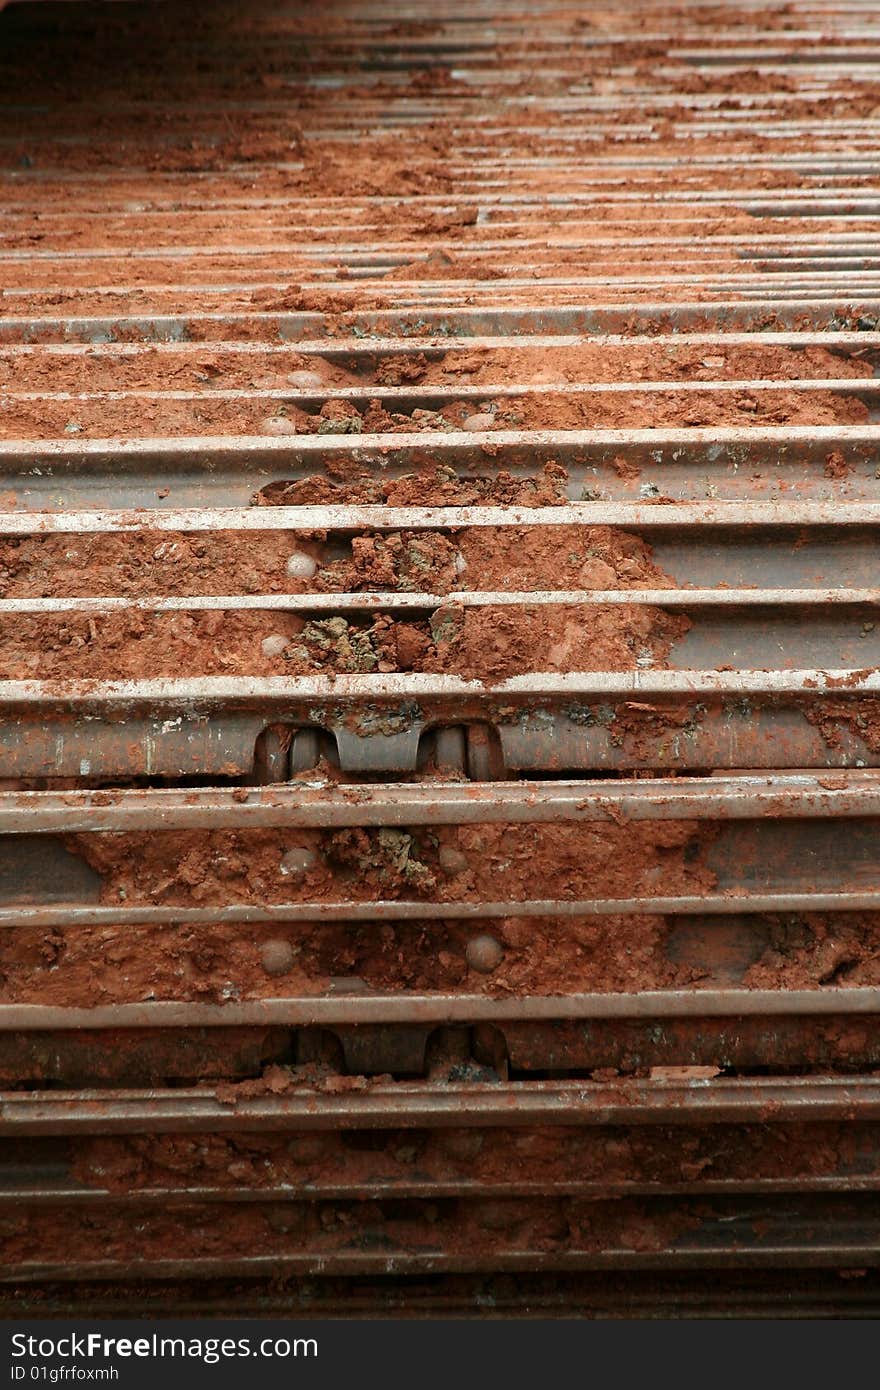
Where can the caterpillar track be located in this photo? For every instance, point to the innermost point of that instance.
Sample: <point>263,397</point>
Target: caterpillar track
<point>439,649</point>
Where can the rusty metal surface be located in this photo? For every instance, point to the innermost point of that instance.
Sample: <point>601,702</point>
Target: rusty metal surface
<point>155,1056</point>
<point>589,721</point>
<point>663,1233</point>
<point>692,601</point>
<point>74,1047</point>
<point>743,313</point>
<point>554,724</point>
<point>351,1004</point>
<point>312,802</point>
<point>739,904</point>
<point>777,845</point>
<point>669,1101</point>
<point>47,484</point>
<point>778,1293</point>
<point>363,354</point>
<point>710,187</point>
<point>733,516</point>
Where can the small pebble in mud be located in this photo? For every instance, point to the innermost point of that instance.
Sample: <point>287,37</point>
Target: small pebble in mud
<point>301,566</point>
<point>305,379</point>
<point>278,424</point>
<point>286,1218</point>
<point>462,1143</point>
<point>483,421</point>
<point>452,861</point>
<point>297,860</point>
<point>276,956</point>
<point>274,644</point>
<point>484,953</point>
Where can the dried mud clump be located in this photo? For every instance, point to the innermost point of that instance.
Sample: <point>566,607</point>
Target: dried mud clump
<point>334,644</point>
<point>408,561</point>
<point>385,859</point>
<point>860,719</point>
<point>816,950</point>
<point>437,487</point>
<point>495,644</point>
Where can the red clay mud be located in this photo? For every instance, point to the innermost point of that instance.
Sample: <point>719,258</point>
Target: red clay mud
<point>475,644</point>
<point>198,868</point>
<point>146,417</point>
<point>266,366</point>
<point>236,562</point>
<point>216,963</point>
<point>609,1157</point>
<point>432,487</point>
<point>465,1230</point>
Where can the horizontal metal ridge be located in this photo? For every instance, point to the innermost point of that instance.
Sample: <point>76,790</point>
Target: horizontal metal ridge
<point>528,1259</point>
<point>207,690</point>
<point>354,517</point>
<point>45,1193</point>
<point>839,280</point>
<point>851,386</point>
<point>290,326</point>
<point>394,246</point>
<point>450,1104</point>
<point>769,436</point>
<point>395,600</point>
<point>731,902</point>
<point>345,345</point>
<point>341,1009</point>
<point>309,802</point>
